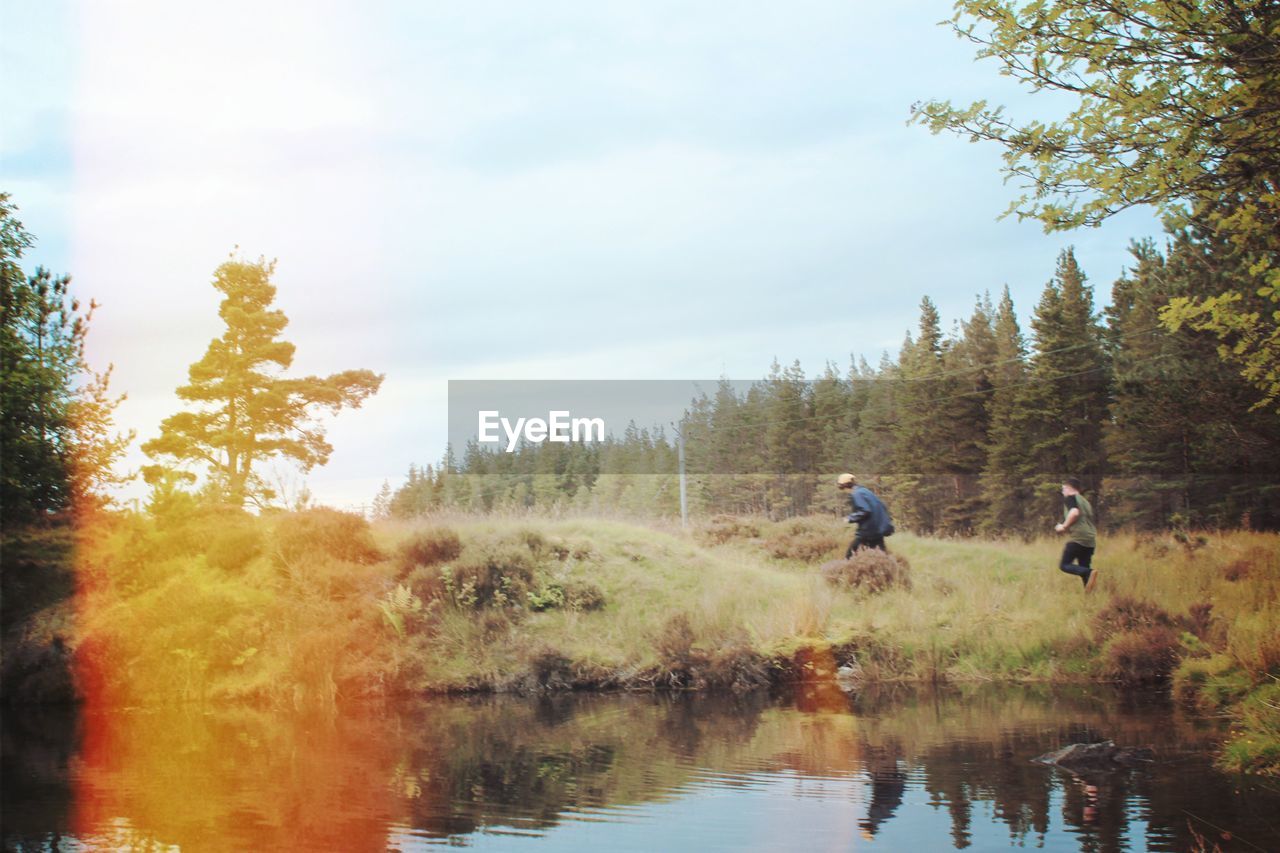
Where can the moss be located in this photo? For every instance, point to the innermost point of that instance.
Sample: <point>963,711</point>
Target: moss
<point>1211,683</point>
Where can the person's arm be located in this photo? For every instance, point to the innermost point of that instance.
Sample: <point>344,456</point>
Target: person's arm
<point>859,513</point>
<point>1073,515</point>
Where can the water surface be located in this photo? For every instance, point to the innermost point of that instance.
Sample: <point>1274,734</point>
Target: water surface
<point>904,769</point>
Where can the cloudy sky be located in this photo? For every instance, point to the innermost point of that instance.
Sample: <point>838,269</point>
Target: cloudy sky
<point>510,190</point>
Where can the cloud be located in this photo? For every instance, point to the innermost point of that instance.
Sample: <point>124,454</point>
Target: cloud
<point>453,190</point>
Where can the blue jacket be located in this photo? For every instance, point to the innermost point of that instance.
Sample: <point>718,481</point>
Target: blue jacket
<point>870,514</point>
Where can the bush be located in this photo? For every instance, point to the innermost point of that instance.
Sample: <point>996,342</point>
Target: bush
<point>1237,570</point>
<point>548,597</point>
<point>328,532</point>
<point>429,547</point>
<point>232,547</point>
<point>723,528</point>
<point>870,570</point>
<point>573,595</point>
<point>1142,656</point>
<point>583,596</point>
<point>495,572</point>
<point>1201,622</point>
<point>1128,614</point>
<point>804,541</point>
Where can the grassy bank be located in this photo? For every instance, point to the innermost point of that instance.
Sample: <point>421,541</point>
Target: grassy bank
<point>300,608</point>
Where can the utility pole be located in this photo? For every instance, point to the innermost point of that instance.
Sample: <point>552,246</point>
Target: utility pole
<point>684,493</point>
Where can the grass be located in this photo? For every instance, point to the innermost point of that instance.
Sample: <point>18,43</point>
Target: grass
<point>292,609</point>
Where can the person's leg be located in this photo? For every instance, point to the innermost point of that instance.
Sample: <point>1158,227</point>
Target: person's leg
<point>857,543</point>
<point>876,542</point>
<point>1070,557</point>
<point>1086,560</point>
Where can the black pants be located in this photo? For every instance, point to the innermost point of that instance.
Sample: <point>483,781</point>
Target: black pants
<point>861,541</point>
<point>1076,559</point>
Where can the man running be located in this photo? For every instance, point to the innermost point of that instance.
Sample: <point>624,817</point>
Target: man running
<point>868,513</point>
<point>1082,535</point>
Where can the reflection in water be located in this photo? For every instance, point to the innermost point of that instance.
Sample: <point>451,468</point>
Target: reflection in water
<point>815,770</point>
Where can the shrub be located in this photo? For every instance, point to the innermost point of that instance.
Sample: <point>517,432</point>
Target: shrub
<point>723,528</point>
<point>574,595</point>
<point>548,597</point>
<point>1201,622</point>
<point>232,547</point>
<point>1237,570</point>
<point>322,531</point>
<point>803,541</point>
<point>1128,614</point>
<point>1143,655</point>
<point>495,572</point>
<point>429,547</point>
<point>584,596</point>
<point>678,661</point>
<point>870,570</point>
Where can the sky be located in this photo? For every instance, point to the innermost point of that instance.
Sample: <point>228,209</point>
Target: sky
<point>562,190</point>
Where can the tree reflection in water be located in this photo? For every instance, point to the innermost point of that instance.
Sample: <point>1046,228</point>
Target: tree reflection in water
<point>880,765</point>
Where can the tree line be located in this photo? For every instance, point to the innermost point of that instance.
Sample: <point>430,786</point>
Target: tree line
<point>968,430</point>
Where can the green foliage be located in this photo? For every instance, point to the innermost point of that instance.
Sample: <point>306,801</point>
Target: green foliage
<point>55,412</point>
<point>1173,464</point>
<point>1210,683</point>
<point>232,546</point>
<point>246,412</point>
<point>1175,105</point>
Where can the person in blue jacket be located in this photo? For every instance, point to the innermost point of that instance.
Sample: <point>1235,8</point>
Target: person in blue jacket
<point>869,513</point>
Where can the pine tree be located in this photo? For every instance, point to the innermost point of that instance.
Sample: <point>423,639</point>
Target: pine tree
<point>1007,467</point>
<point>1068,385</point>
<point>56,444</point>
<point>245,411</point>
<point>968,390</point>
<point>382,501</point>
<point>1184,436</point>
<point>922,429</point>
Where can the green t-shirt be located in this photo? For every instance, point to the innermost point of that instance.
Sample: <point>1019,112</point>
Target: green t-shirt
<point>1082,532</point>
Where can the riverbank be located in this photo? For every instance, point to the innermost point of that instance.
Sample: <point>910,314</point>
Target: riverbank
<point>318,607</point>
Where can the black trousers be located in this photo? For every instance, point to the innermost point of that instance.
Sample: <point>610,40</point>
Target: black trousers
<point>861,541</point>
<point>1076,559</point>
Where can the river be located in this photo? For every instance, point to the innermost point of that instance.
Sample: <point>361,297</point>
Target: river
<point>906,768</point>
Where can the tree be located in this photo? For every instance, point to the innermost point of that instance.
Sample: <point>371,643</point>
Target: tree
<point>1181,437</point>
<point>55,413</point>
<point>246,412</point>
<point>1007,468</point>
<point>1176,105</point>
<point>922,432</point>
<point>1066,398</point>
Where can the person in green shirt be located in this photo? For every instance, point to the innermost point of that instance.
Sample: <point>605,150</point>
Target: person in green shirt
<point>1077,524</point>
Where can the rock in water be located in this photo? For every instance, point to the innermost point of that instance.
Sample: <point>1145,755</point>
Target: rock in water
<point>1094,756</point>
<point>849,677</point>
